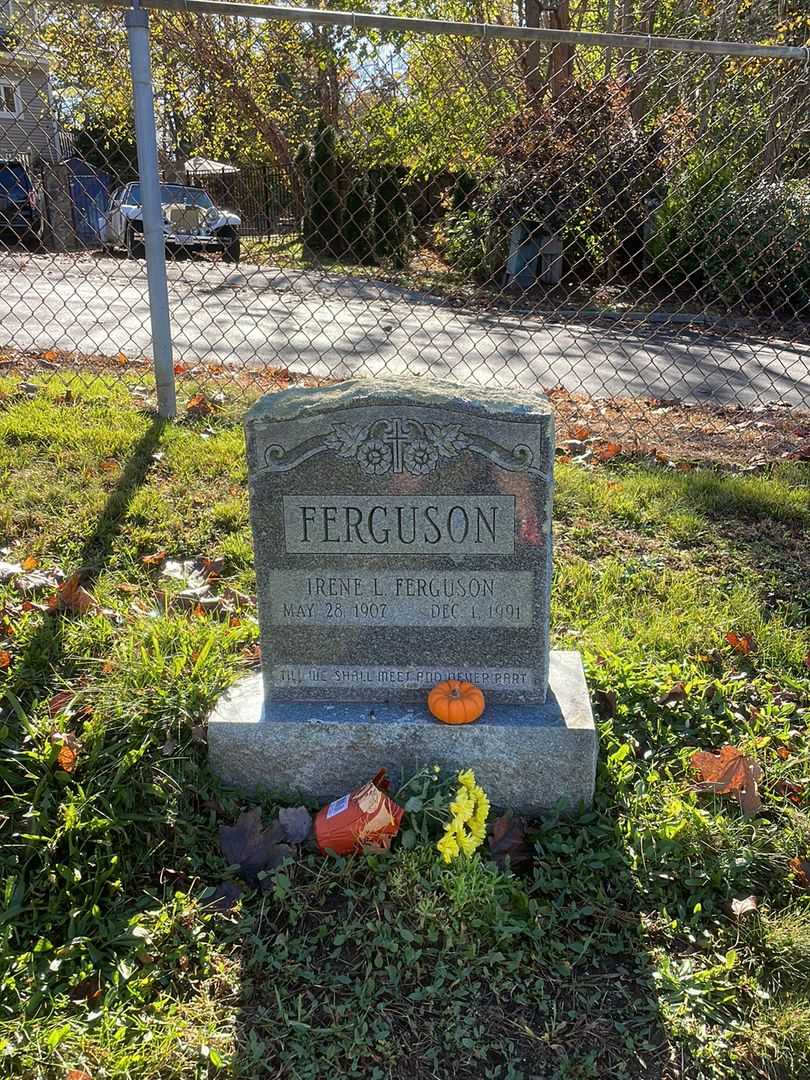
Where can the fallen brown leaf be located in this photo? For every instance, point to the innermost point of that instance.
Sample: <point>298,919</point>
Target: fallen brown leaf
<point>155,559</point>
<point>29,563</point>
<point>60,701</point>
<point>729,772</point>
<point>507,839</point>
<point>607,452</point>
<point>675,693</point>
<point>78,1074</point>
<point>793,792</point>
<point>783,752</point>
<point>742,908</point>
<point>88,989</point>
<point>199,405</point>
<point>71,596</point>
<point>801,871</point>
<point>68,752</point>
<point>606,701</point>
<point>252,847</point>
<point>741,643</point>
<point>252,656</point>
<point>5,658</point>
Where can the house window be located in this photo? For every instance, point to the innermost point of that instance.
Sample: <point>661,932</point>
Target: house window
<point>8,99</point>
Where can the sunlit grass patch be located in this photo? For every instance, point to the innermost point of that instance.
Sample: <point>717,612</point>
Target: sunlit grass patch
<point>613,952</point>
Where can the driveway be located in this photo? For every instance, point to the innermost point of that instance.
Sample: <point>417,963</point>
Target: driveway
<point>250,316</point>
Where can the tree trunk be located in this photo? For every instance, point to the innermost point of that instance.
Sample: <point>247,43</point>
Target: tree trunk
<point>561,57</point>
<point>533,74</point>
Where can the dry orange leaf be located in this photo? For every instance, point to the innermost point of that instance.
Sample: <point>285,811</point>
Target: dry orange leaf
<point>5,658</point>
<point>580,433</point>
<point>68,752</point>
<point>199,405</point>
<point>29,563</point>
<point>50,355</point>
<point>607,452</point>
<point>78,1074</point>
<point>741,643</point>
<point>122,359</point>
<point>783,752</point>
<point>70,596</point>
<point>801,871</point>
<point>180,369</point>
<point>729,772</point>
<point>66,759</point>
<point>155,559</point>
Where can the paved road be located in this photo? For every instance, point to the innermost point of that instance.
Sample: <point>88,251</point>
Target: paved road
<point>251,316</point>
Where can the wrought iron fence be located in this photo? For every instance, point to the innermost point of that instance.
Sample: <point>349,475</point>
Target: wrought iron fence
<point>606,216</point>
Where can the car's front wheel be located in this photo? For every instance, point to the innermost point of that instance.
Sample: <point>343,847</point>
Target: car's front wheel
<point>134,240</point>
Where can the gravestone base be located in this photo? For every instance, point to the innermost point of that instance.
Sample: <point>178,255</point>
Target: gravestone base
<point>528,758</point>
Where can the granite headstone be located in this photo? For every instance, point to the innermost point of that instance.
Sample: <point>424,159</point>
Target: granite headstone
<point>402,535</point>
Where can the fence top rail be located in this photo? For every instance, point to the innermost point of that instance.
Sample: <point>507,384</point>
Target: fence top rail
<point>390,23</point>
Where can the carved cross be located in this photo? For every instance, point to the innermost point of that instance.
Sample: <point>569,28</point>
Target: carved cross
<point>396,439</point>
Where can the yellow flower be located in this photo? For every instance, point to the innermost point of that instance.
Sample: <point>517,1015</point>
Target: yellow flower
<point>462,806</point>
<point>448,847</point>
<point>468,843</point>
<point>481,806</point>
<point>478,829</point>
<point>467,779</point>
<point>466,829</point>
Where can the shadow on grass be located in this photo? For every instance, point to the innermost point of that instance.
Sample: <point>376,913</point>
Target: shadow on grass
<point>40,664</point>
<point>393,967</point>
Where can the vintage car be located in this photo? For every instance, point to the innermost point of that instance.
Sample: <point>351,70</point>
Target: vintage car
<point>191,222</point>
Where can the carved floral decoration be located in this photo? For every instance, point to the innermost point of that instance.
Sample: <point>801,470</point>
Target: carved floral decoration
<point>397,445</point>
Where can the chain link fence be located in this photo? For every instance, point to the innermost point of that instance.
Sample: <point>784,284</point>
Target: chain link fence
<point>618,218</point>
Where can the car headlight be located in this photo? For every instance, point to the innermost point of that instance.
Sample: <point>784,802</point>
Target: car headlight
<point>212,217</point>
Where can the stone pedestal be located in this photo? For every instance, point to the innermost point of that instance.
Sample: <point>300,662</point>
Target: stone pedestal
<point>529,758</point>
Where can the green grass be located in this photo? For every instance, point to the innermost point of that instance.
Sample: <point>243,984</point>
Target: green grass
<point>612,954</point>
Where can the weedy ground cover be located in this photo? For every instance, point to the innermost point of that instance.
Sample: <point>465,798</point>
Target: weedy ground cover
<point>612,947</point>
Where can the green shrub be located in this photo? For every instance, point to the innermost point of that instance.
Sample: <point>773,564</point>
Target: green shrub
<point>318,162</point>
<point>743,245</point>
<point>393,220</point>
<point>358,221</point>
<point>473,242</point>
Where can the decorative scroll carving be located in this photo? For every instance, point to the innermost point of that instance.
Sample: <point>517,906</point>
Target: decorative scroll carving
<point>399,445</point>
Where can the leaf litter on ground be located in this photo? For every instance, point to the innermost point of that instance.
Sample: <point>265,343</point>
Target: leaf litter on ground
<point>727,772</point>
<point>507,840</point>
<point>254,847</point>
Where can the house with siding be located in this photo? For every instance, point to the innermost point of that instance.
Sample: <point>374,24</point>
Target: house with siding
<point>28,130</point>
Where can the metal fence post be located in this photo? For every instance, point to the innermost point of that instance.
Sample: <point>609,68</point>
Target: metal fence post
<point>137,23</point>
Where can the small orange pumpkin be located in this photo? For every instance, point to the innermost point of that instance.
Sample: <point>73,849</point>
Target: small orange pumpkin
<point>456,702</point>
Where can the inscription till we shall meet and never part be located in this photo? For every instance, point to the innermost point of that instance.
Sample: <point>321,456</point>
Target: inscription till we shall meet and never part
<point>400,531</point>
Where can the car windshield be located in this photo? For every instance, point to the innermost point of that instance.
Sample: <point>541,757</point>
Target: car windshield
<point>14,183</point>
<point>174,193</point>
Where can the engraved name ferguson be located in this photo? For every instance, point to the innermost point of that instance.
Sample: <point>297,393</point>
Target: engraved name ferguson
<point>404,524</point>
